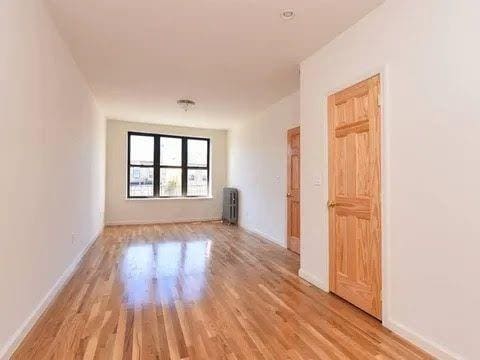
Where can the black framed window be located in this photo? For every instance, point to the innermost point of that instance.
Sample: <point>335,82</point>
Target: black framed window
<point>167,166</point>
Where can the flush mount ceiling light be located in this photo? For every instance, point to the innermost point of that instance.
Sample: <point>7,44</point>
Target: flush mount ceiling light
<point>186,104</point>
<point>288,14</point>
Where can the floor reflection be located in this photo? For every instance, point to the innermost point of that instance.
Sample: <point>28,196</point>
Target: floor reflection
<point>165,272</point>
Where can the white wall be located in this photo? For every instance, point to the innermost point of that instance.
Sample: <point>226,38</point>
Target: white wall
<point>120,210</point>
<point>258,168</point>
<point>431,160</point>
<point>52,151</point>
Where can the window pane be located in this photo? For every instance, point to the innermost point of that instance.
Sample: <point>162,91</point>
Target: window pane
<point>170,151</point>
<point>141,181</point>
<point>141,150</point>
<point>197,184</point>
<point>197,152</point>
<point>170,182</point>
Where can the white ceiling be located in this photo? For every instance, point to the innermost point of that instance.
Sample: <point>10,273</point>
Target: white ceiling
<point>233,57</point>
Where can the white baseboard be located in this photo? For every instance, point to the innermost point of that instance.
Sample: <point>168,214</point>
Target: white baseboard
<point>314,280</point>
<point>158,222</point>
<point>428,346</point>
<point>263,236</point>
<point>14,341</point>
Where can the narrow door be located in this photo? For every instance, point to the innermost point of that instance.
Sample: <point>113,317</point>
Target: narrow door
<point>293,190</point>
<point>354,195</point>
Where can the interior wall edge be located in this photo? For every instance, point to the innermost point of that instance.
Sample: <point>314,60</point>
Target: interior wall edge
<point>314,280</point>
<point>257,167</point>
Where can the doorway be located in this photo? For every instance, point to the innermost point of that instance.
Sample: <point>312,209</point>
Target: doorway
<point>293,190</point>
<point>354,195</point>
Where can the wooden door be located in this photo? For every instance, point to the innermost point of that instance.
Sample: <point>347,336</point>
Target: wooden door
<point>354,195</point>
<point>293,190</point>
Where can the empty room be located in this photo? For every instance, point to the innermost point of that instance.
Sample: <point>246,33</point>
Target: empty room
<point>239,180</point>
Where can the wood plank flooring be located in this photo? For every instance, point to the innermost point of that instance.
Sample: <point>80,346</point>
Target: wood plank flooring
<point>201,291</point>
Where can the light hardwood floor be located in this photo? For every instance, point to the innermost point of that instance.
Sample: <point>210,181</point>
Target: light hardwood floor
<point>201,291</point>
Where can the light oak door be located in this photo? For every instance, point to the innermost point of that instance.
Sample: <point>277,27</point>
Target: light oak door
<point>293,190</point>
<point>354,195</point>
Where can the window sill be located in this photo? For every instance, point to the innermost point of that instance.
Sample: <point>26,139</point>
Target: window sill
<point>171,198</point>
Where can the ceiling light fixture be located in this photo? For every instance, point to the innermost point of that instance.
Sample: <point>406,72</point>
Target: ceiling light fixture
<point>186,104</point>
<point>288,14</point>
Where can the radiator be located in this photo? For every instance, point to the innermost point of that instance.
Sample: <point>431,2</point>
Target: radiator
<point>230,206</point>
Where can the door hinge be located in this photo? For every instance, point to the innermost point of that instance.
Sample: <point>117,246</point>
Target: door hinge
<point>379,99</point>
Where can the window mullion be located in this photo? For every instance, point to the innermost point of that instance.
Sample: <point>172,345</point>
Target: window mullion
<point>184,166</point>
<point>156,166</point>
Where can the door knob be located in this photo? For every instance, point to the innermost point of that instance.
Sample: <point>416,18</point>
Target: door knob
<point>331,204</point>
<point>289,195</point>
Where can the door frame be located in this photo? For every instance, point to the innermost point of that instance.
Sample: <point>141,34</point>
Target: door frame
<point>385,176</point>
<point>287,228</point>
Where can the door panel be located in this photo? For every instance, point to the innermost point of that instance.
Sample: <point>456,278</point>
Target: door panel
<point>295,212</point>
<point>293,190</point>
<point>295,171</point>
<point>354,192</point>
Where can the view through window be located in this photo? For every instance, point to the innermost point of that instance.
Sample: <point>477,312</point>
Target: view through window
<point>167,166</point>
